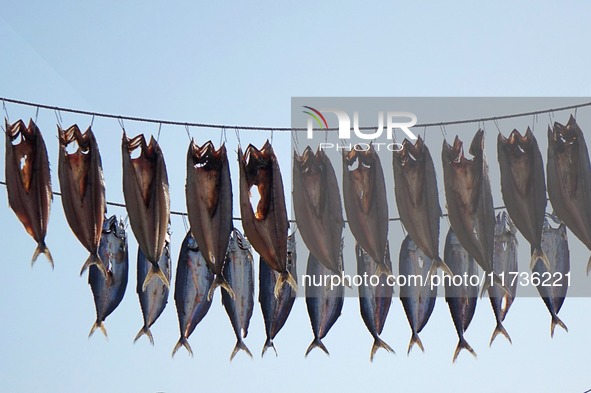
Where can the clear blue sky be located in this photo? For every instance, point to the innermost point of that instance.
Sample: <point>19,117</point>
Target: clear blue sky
<point>241,63</point>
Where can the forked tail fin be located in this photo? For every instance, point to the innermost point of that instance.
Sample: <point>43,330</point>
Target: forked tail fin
<point>539,254</point>
<point>317,343</point>
<point>42,249</point>
<point>220,282</point>
<point>98,325</point>
<point>155,272</point>
<point>144,330</point>
<point>268,344</point>
<point>499,329</point>
<point>94,260</point>
<point>182,343</point>
<point>556,321</point>
<point>377,344</point>
<point>283,278</point>
<point>240,346</point>
<point>463,344</point>
<point>414,339</point>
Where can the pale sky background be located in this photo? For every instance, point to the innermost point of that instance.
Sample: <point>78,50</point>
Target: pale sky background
<point>240,63</point>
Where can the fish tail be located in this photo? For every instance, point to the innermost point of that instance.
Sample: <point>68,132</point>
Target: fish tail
<point>485,287</point>
<point>285,277</point>
<point>98,325</point>
<point>144,330</point>
<point>439,264</point>
<point>183,342</point>
<point>541,255</point>
<point>556,321</point>
<point>463,344</point>
<point>499,329</point>
<point>42,249</point>
<point>317,343</point>
<point>220,282</point>
<point>240,346</point>
<point>377,344</point>
<point>589,266</point>
<point>382,269</point>
<point>415,340</point>
<point>268,344</point>
<point>94,260</point>
<point>155,272</point>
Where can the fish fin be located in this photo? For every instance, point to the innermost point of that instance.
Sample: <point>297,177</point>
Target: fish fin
<point>154,272</point>
<point>268,344</point>
<point>556,321</point>
<point>485,287</point>
<point>94,260</point>
<point>439,264</point>
<point>283,278</point>
<point>240,346</point>
<point>463,344</point>
<point>317,343</point>
<point>183,342</point>
<point>415,340</point>
<point>98,325</point>
<point>589,266</point>
<point>220,282</point>
<point>377,344</point>
<point>42,249</point>
<point>539,254</point>
<point>499,329</point>
<point>496,280</point>
<point>144,330</point>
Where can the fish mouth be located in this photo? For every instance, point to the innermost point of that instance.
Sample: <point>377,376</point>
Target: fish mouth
<point>518,144</point>
<point>73,135</point>
<point>145,164</point>
<point>147,150</point>
<point>455,153</point>
<point>410,152</point>
<point>207,157</point>
<point>564,136</point>
<point>310,162</point>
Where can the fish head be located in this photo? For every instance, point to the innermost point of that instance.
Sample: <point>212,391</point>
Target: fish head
<point>504,224</point>
<point>78,161</point>
<point>145,165</point>
<point>23,142</point>
<point>258,168</point>
<point>207,165</point>
<point>312,171</point>
<point>361,170</point>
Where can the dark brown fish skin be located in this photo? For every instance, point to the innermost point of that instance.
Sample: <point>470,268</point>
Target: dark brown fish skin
<point>460,299</point>
<point>209,206</point>
<point>469,199</point>
<point>569,179</point>
<point>417,197</point>
<point>145,188</point>
<point>266,229</point>
<point>317,206</point>
<point>364,192</point>
<point>29,189</point>
<point>83,190</point>
<point>555,245</point>
<point>523,185</point>
<point>505,262</point>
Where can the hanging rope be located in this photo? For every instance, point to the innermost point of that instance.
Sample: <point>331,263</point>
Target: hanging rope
<point>550,111</point>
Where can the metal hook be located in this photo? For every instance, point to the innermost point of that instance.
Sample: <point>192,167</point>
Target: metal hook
<point>120,121</point>
<point>5,110</point>
<point>58,117</point>
<point>188,133</point>
<point>92,121</point>
<point>36,115</point>
<point>158,136</point>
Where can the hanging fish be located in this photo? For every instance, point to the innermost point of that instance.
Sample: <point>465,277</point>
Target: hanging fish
<point>145,188</point>
<point>209,205</point>
<point>239,271</point>
<point>324,302</point>
<point>523,186</point>
<point>555,245</point>
<point>275,308</point>
<point>374,300</point>
<point>83,190</point>
<point>418,199</point>
<point>505,264</point>
<point>193,282</point>
<point>153,295</point>
<point>108,290</point>
<point>418,299</point>
<point>460,299</point>
<point>364,192</point>
<point>569,179</point>
<point>317,206</point>
<point>469,200</point>
<point>28,182</point>
<point>266,229</point>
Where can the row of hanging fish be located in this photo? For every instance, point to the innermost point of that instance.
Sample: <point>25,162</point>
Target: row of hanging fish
<point>472,240</point>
